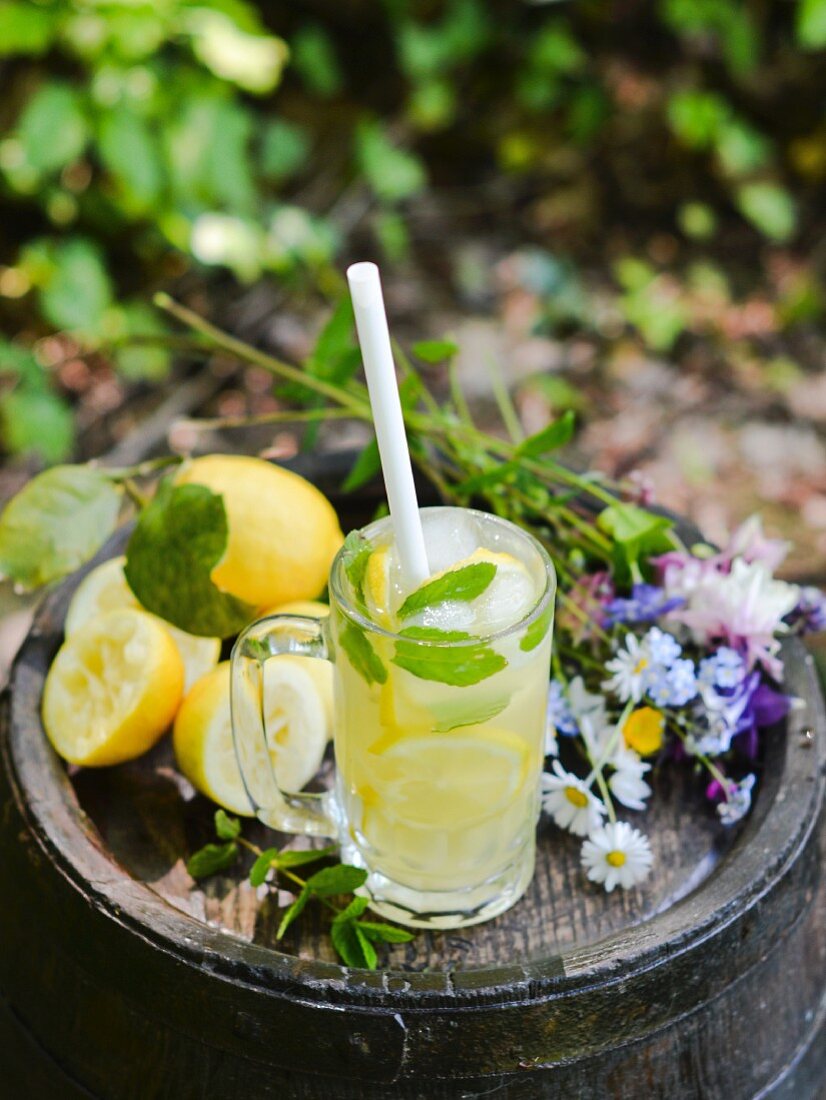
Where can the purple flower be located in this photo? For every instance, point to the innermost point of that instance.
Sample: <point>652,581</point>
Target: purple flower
<point>738,713</point>
<point>646,603</point>
<point>809,617</point>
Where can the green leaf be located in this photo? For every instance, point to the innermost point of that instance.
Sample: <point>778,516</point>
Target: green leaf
<point>435,351</point>
<point>361,654</point>
<point>770,208</point>
<point>385,933</point>
<point>56,523</point>
<point>285,147</point>
<point>638,534</point>
<point>550,438</point>
<point>37,421</point>
<point>26,29</point>
<point>457,711</point>
<point>811,24</point>
<point>295,858</point>
<point>313,58</point>
<point>212,858</point>
<point>696,117</point>
<point>356,907</point>
<point>294,911</point>
<point>488,479</point>
<point>142,361</point>
<point>355,556</point>
<point>538,629</point>
<point>392,173</point>
<point>463,584</point>
<point>52,128</point>
<point>741,148</point>
<point>178,540</point>
<point>261,868</point>
<point>460,666</point>
<point>352,945</point>
<point>364,469</point>
<point>76,291</point>
<point>341,879</point>
<point>226,827</point>
<point>129,152</point>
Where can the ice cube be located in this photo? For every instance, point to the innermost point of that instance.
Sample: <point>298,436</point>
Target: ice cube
<point>450,615</point>
<point>507,599</point>
<point>450,535</point>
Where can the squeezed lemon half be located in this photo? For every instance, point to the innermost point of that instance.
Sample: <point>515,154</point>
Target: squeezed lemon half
<point>113,688</point>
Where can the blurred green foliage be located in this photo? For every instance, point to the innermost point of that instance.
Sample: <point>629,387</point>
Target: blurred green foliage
<point>142,137</point>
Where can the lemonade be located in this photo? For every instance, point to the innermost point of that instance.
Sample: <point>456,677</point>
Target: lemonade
<point>440,715</point>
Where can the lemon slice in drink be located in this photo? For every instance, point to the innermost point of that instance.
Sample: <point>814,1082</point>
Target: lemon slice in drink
<point>446,781</point>
<point>298,708</point>
<point>113,688</point>
<point>105,589</point>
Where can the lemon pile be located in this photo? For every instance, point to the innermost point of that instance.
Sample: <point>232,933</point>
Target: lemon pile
<point>123,675</point>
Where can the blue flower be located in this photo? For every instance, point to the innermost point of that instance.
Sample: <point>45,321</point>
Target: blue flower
<point>724,669</point>
<point>646,603</point>
<point>674,686</point>
<point>559,712</point>
<point>662,647</point>
<point>737,801</point>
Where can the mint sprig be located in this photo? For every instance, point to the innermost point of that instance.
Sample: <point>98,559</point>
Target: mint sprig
<point>361,654</point>
<point>463,584</point>
<point>352,937</point>
<point>355,555</point>
<point>459,666</point>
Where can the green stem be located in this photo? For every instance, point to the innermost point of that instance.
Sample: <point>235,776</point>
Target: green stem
<point>507,410</point>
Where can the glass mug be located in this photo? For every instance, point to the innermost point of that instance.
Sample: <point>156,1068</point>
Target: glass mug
<point>439,735</point>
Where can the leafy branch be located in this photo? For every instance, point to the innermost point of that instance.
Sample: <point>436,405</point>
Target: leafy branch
<point>353,937</point>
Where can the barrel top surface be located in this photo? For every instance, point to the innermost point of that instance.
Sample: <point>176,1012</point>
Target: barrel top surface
<point>123,834</point>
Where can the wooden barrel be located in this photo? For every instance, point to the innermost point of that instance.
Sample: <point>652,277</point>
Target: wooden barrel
<point>121,978</point>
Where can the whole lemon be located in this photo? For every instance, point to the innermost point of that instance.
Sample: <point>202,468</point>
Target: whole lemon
<point>283,532</point>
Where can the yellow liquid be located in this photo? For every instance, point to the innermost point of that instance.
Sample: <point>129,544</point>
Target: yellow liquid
<point>439,783</point>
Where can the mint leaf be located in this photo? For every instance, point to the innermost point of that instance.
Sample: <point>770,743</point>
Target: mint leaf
<point>435,351</point>
<point>227,828</point>
<point>363,657</point>
<point>537,630</point>
<point>457,712</point>
<point>260,869</point>
<point>56,523</point>
<point>355,555</point>
<point>354,909</point>
<point>307,855</point>
<point>487,479</point>
<point>341,879</point>
<point>352,945</point>
<point>212,858</point>
<point>364,469</point>
<point>460,666</point>
<point>385,933</point>
<point>552,437</point>
<point>179,538</point>
<point>294,911</point>
<point>463,584</point>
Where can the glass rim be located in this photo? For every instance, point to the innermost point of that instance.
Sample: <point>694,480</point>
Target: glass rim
<point>542,601</point>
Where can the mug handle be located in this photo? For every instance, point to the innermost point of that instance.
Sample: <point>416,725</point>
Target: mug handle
<point>286,811</point>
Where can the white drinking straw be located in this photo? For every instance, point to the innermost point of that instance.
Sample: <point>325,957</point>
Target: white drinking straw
<point>374,338</point>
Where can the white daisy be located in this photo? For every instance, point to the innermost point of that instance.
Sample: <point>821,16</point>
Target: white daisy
<point>629,669</point>
<point>617,855</point>
<point>570,802</point>
<point>591,716</point>
<point>627,783</point>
